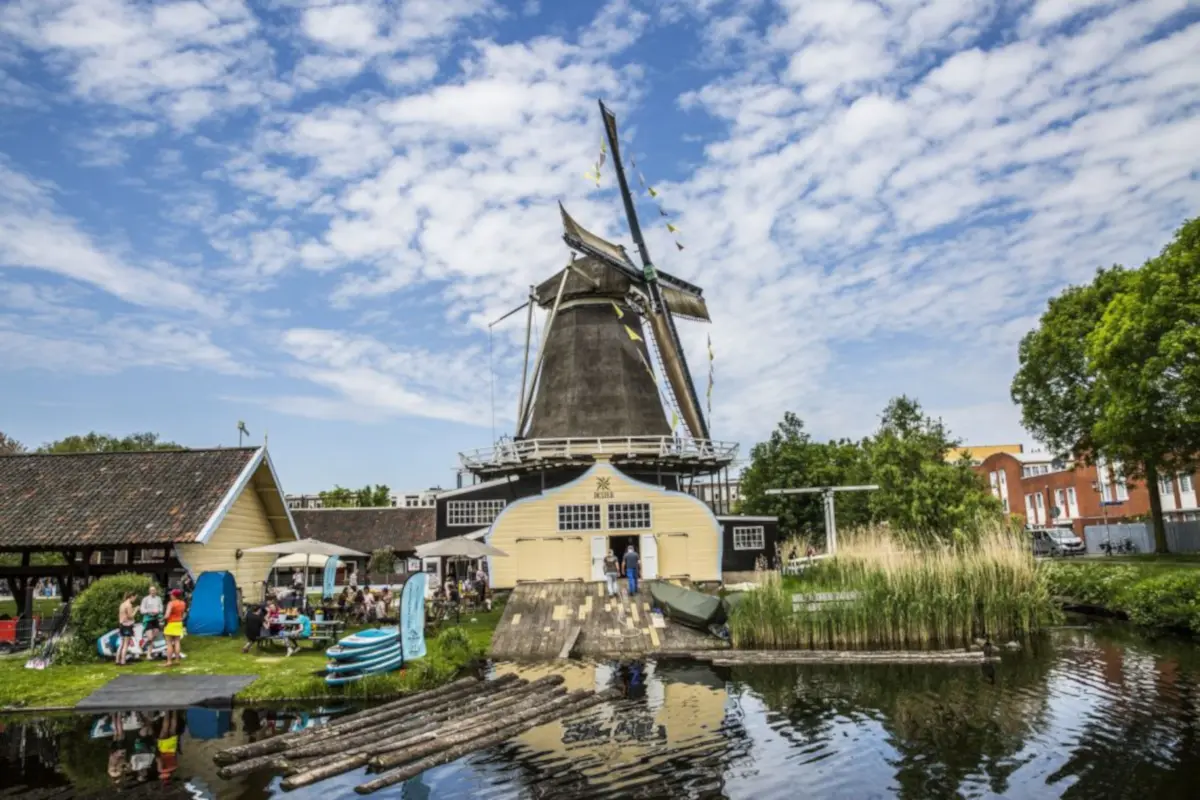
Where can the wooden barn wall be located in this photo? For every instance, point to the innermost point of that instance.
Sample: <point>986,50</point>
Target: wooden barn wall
<point>527,486</point>
<point>245,526</point>
<point>743,560</point>
<point>689,536</point>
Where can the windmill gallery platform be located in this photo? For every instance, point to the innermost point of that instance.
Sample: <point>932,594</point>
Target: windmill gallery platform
<point>555,620</point>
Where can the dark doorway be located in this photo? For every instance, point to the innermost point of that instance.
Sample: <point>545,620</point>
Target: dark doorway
<point>618,545</point>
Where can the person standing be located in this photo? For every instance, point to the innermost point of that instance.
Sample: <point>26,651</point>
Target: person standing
<point>151,610</point>
<point>612,571</point>
<point>173,630</point>
<point>632,568</point>
<point>125,622</point>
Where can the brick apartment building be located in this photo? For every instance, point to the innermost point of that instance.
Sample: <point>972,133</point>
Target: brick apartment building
<point>1045,491</point>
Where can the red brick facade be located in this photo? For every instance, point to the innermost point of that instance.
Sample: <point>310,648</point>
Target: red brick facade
<point>1032,486</point>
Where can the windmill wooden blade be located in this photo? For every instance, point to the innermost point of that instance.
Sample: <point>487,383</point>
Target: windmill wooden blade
<point>584,241</point>
<point>661,319</point>
<point>685,304</point>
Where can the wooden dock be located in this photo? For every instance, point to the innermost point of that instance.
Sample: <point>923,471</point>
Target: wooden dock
<point>541,620</point>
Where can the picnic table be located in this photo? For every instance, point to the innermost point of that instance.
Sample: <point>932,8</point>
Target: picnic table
<point>325,633</point>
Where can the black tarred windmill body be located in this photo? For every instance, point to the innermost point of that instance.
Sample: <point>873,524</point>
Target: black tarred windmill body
<point>593,383</point>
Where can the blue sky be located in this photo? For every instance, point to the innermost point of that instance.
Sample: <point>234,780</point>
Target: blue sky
<point>303,214</point>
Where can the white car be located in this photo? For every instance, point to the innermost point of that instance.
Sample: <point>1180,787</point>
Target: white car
<point>1056,542</point>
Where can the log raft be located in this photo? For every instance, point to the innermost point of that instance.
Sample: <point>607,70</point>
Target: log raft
<point>413,734</point>
<point>738,658</point>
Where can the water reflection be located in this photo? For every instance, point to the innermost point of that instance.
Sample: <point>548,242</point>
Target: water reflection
<point>1090,713</point>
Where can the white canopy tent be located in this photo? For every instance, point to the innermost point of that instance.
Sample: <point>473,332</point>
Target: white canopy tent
<point>307,548</point>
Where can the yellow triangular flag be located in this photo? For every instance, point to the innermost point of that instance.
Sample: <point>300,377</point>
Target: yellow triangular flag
<point>617,308</point>
<point>592,176</point>
<point>646,364</point>
<point>672,228</point>
<point>653,193</point>
<point>674,420</point>
<point>710,350</point>
<point>632,334</point>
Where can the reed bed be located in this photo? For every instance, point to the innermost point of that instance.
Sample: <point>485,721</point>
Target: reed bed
<point>910,596</point>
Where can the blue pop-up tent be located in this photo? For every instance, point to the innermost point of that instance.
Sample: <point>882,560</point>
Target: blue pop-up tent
<point>214,610</point>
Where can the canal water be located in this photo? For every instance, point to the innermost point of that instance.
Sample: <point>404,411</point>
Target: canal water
<point>1093,711</point>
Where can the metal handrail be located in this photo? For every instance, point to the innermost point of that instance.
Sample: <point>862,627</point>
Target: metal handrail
<point>534,450</point>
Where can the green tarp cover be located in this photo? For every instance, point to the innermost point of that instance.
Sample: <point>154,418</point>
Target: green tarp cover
<point>688,607</point>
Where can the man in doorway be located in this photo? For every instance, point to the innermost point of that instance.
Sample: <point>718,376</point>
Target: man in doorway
<point>632,568</point>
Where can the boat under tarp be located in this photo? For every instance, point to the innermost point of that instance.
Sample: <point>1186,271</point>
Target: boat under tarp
<point>688,607</point>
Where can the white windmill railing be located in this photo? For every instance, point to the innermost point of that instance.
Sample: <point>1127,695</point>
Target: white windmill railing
<point>700,452</point>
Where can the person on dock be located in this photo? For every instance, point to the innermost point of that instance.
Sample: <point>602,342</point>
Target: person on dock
<point>632,568</point>
<point>126,617</point>
<point>151,610</point>
<point>612,571</point>
<point>173,630</point>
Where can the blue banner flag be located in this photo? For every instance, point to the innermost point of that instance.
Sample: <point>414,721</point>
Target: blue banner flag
<point>330,576</point>
<point>412,616</point>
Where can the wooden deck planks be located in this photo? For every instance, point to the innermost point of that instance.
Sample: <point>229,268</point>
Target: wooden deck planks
<point>543,619</point>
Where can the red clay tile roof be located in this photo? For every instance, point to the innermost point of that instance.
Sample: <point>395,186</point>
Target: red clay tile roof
<point>368,529</point>
<point>113,499</point>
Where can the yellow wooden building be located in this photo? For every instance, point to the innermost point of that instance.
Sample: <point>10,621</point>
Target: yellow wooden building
<point>564,533</point>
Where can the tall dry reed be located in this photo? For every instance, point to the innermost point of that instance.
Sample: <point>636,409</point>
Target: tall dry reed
<point>909,596</point>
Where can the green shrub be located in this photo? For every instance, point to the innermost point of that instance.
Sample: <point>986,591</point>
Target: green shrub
<point>455,644</point>
<point>1165,601</point>
<point>94,611</point>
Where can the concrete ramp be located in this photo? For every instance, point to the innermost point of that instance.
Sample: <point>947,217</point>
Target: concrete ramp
<point>161,692</point>
<point>544,621</point>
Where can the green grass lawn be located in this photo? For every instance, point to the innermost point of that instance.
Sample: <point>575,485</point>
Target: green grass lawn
<point>41,607</point>
<point>1150,560</point>
<point>279,676</point>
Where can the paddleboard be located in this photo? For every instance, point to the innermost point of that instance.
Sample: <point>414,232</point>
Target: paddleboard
<point>108,644</point>
<point>341,678</point>
<point>376,658</point>
<point>357,644</point>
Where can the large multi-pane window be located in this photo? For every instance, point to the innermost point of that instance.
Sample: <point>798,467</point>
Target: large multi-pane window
<point>579,517</point>
<point>629,516</point>
<point>472,512</point>
<point>750,537</point>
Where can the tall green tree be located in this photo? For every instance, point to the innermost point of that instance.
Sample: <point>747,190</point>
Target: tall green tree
<point>920,493</point>
<point>103,443</point>
<point>367,497</point>
<point>1111,370</point>
<point>790,459</point>
<point>10,446</point>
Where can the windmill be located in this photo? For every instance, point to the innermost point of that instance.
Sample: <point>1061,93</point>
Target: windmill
<point>593,377</point>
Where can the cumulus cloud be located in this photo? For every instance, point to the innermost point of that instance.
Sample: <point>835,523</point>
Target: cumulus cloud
<point>877,197</point>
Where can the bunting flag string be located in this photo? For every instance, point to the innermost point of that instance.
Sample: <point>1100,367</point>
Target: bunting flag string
<point>632,333</point>
<point>617,308</point>
<point>653,193</point>
<point>710,375</point>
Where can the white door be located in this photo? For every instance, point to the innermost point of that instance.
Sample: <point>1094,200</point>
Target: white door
<point>649,556</point>
<point>1187,491</point>
<point>599,551</point>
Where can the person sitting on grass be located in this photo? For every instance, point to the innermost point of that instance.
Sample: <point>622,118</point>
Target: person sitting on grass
<point>303,630</point>
<point>253,626</point>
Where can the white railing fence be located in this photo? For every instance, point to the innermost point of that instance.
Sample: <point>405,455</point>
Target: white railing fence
<point>662,447</point>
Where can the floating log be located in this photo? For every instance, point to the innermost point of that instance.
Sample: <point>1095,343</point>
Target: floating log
<point>452,735</point>
<point>734,658</point>
<point>470,745</point>
<point>277,743</point>
<point>432,735</point>
<point>405,726</point>
<point>433,728</point>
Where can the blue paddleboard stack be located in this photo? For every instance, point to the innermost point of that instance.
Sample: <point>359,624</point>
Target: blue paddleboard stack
<point>369,652</point>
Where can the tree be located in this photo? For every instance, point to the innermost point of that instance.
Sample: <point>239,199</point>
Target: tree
<point>920,493</point>
<point>1111,370</point>
<point>377,496</point>
<point>790,459</point>
<point>10,446</point>
<point>1145,355</point>
<point>103,443</point>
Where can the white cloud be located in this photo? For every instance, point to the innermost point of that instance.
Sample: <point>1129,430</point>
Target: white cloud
<point>34,235</point>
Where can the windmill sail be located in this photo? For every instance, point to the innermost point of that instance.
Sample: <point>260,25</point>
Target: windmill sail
<point>661,321</point>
